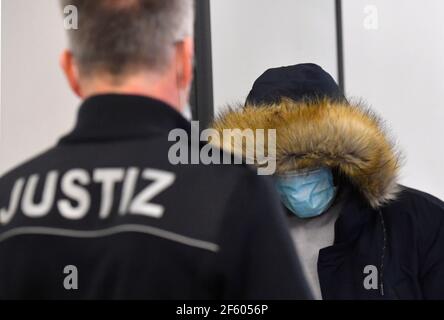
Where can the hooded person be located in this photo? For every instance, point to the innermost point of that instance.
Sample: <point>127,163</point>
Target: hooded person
<point>359,234</point>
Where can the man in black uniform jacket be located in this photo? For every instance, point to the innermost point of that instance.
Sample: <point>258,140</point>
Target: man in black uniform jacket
<point>105,215</point>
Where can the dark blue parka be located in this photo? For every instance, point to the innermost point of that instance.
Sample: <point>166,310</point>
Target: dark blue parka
<point>389,239</point>
<point>404,240</point>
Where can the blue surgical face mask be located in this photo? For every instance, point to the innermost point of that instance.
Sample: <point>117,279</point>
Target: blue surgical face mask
<point>307,194</point>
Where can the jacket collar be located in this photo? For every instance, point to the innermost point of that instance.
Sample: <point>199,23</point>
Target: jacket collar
<point>117,117</point>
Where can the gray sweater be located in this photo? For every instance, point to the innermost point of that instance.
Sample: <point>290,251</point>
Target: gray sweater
<point>312,235</point>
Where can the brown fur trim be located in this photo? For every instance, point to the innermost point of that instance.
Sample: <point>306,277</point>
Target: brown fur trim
<point>348,137</point>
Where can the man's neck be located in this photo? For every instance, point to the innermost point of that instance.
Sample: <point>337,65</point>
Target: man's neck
<point>141,85</point>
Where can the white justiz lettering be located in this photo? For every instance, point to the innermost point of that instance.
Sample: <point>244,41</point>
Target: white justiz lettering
<point>76,201</point>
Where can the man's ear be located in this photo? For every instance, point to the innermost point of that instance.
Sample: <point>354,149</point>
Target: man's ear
<point>71,72</point>
<point>185,58</point>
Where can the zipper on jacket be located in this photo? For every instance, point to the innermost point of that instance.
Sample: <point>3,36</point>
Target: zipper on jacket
<point>384,231</point>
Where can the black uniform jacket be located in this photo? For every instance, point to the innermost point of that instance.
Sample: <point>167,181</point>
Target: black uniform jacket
<point>106,215</point>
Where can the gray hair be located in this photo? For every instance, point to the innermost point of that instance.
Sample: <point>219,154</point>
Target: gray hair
<point>121,36</point>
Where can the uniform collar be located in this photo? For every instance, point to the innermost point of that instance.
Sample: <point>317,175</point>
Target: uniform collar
<point>117,117</point>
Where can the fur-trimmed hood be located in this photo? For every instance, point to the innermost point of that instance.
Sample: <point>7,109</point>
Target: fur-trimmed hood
<point>345,136</point>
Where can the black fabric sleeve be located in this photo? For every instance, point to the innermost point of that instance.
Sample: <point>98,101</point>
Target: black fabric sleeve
<point>257,257</point>
<point>431,255</point>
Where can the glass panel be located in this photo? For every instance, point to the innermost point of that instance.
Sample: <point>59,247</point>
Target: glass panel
<point>250,36</point>
<point>394,59</point>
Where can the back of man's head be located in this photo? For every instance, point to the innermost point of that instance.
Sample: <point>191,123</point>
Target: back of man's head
<point>135,47</point>
<point>118,36</point>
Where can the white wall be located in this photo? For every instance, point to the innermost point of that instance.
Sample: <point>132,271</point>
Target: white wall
<point>398,68</point>
<point>36,104</point>
<point>250,36</point>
